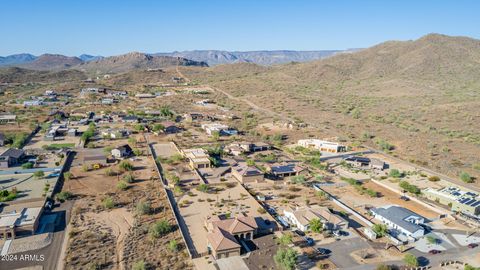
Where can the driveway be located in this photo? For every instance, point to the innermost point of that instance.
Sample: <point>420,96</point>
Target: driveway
<point>47,257</point>
<point>340,251</point>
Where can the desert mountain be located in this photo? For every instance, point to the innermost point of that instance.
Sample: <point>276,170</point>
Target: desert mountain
<point>135,60</point>
<point>433,57</point>
<point>16,59</point>
<point>88,57</point>
<point>215,57</point>
<point>422,96</point>
<point>52,62</point>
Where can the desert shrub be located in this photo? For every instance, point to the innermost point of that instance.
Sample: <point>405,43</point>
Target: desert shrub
<point>173,245</point>
<point>203,188</point>
<point>129,178</point>
<point>395,173</point>
<point>160,228</point>
<point>143,208</point>
<point>139,265</point>
<point>108,203</point>
<point>63,196</point>
<point>299,179</point>
<point>384,145</point>
<point>67,176</point>
<point>39,174</point>
<point>261,210</point>
<point>122,185</point>
<point>126,166</point>
<point>434,178</point>
<point>109,172</point>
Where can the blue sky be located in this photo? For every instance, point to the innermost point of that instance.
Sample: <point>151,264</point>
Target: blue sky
<point>115,27</point>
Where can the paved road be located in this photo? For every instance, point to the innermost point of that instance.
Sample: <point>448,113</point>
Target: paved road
<point>427,259</point>
<point>340,251</point>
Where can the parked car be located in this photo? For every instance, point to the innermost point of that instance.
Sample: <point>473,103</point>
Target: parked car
<point>309,241</point>
<point>48,205</point>
<point>434,251</point>
<point>323,251</point>
<point>299,233</point>
<point>472,245</point>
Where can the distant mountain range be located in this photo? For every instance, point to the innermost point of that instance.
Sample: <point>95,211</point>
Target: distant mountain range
<point>156,60</point>
<point>99,64</point>
<point>214,57</point>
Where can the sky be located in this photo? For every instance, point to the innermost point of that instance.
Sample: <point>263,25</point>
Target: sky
<point>117,27</point>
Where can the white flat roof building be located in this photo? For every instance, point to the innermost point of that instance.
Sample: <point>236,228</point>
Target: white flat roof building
<point>322,146</point>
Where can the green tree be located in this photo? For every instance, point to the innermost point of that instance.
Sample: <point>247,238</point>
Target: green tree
<point>27,165</point>
<point>286,239</point>
<point>380,229</point>
<point>19,140</point>
<point>431,240</point>
<point>409,187</point>
<point>411,260</point>
<point>465,177</point>
<point>395,173</point>
<point>286,258</point>
<point>316,225</point>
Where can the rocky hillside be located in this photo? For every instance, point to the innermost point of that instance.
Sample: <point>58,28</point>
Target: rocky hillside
<point>422,96</point>
<point>135,60</point>
<point>20,75</point>
<point>434,57</point>
<point>52,62</point>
